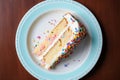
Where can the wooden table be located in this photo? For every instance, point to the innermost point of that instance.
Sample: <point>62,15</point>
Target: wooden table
<point>108,15</point>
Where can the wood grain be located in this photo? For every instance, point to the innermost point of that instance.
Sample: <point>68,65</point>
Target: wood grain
<point>108,15</point>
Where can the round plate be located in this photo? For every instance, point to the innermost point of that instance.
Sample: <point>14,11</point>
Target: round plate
<point>39,21</point>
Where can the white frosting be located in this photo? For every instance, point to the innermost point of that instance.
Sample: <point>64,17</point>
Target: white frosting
<point>72,23</point>
<point>74,26</point>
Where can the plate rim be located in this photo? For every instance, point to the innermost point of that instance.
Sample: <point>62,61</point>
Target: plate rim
<point>18,33</point>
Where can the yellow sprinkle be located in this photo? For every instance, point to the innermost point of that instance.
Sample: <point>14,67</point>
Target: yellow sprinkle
<point>47,31</point>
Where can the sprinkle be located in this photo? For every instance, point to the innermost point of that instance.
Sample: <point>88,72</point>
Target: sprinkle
<point>63,49</point>
<point>66,65</point>
<point>54,36</point>
<point>72,40</point>
<point>42,62</point>
<point>35,45</point>
<point>72,20</point>
<point>47,31</point>
<point>38,37</point>
<point>49,39</point>
<point>52,22</point>
<point>69,47</point>
<point>42,47</point>
<point>68,44</point>
<point>49,22</point>
<point>76,30</point>
<point>80,29</point>
<point>63,53</point>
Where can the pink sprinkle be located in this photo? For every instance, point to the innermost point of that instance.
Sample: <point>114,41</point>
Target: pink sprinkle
<point>51,40</point>
<point>38,37</point>
<point>54,36</point>
<point>52,24</point>
<point>42,47</point>
<point>39,53</point>
<point>42,62</point>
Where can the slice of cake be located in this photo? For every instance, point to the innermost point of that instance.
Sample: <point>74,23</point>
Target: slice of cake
<point>60,41</point>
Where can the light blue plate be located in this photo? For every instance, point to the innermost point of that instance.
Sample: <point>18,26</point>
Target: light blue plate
<point>87,18</point>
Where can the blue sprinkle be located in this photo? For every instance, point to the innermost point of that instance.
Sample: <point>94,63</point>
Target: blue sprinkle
<point>72,19</point>
<point>68,43</point>
<point>65,65</point>
<point>76,30</point>
<point>63,53</point>
<point>63,49</point>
